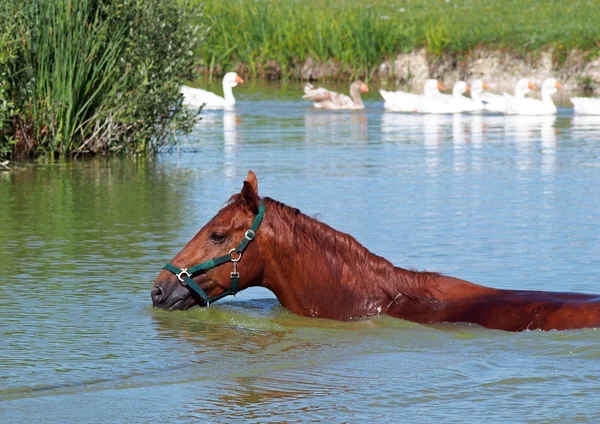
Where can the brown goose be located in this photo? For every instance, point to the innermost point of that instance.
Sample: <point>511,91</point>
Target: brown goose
<point>325,99</point>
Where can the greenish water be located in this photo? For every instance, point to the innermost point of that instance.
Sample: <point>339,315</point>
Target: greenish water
<point>501,201</point>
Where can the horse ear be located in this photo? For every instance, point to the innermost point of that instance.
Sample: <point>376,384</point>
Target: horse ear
<point>253,181</point>
<point>250,193</point>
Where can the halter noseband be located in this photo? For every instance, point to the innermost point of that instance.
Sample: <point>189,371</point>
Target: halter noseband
<point>184,275</point>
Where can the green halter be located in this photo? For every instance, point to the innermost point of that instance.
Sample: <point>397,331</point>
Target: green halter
<point>185,274</point>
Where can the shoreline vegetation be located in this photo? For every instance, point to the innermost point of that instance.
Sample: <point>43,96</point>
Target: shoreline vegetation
<point>88,77</point>
<point>405,41</point>
<point>93,77</point>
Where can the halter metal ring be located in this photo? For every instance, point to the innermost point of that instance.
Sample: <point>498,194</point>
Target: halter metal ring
<point>185,272</point>
<point>249,235</point>
<point>235,259</point>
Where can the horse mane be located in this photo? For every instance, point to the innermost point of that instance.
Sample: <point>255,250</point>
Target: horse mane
<point>332,245</point>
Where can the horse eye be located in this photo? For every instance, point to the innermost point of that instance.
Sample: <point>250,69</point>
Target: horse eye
<point>218,237</point>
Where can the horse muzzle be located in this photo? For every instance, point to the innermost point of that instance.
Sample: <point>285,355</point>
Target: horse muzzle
<point>170,294</point>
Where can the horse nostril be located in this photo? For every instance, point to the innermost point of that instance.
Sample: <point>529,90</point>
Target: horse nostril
<point>157,294</point>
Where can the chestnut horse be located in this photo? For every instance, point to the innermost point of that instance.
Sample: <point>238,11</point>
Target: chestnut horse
<point>317,271</point>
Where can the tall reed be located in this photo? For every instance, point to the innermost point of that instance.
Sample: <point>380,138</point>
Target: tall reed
<point>96,75</point>
<point>74,57</point>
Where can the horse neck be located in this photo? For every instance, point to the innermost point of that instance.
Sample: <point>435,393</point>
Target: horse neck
<point>315,270</point>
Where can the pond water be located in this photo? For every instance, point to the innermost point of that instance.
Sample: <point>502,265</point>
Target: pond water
<point>508,202</point>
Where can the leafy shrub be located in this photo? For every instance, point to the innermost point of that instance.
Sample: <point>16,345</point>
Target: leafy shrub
<point>95,76</point>
<point>9,45</point>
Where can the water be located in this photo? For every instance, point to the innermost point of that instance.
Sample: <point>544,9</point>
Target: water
<point>504,201</point>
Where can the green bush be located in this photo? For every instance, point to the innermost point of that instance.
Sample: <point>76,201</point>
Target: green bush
<point>94,76</point>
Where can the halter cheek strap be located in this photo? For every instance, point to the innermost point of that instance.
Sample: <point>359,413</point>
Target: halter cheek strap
<point>184,275</point>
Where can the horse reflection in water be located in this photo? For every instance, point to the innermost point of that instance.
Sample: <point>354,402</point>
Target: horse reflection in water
<point>316,271</point>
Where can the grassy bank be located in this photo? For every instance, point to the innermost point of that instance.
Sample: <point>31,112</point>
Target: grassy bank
<point>93,76</point>
<point>359,35</point>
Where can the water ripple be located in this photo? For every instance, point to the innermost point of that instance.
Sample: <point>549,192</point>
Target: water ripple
<point>502,201</point>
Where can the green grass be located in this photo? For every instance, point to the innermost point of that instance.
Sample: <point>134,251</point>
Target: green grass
<point>361,34</point>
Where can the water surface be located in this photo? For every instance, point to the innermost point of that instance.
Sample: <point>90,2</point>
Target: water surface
<point>508,202</point>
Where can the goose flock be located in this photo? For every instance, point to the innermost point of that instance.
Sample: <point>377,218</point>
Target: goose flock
<point>431,101</point>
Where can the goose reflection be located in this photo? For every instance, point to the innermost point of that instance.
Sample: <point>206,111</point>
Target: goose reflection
<point>548,136</point>
<point>586,124</point>
<point>459,132</point>
<point>525,132</point>
<point>548,140</point>
<point>231,138</point>
<point>478,128</point>
<point>399,127</point>
<point>469,129</point>
<point>459,141</point>
<point>524,129</point>
<point>429,129</point>
<point>336,126</point>
<point>436,128</point>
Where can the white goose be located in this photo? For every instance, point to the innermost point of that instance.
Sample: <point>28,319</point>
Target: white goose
<point>498,103</point>
<point>402,101</point>
<point>476,104</point>
<point>326,99</point>
<point>527,106</point>
<point>399,101</point>
<point>586,105</point>
<point>196,97</point>
<point>445,103</point>
<point>466,104</point>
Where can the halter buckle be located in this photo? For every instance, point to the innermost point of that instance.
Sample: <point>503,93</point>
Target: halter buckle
<point>249,235</point>
<point>235,260</point>
<point>183,271</point>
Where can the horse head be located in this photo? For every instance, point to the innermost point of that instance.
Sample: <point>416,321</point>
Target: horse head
<point>222,258</point>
